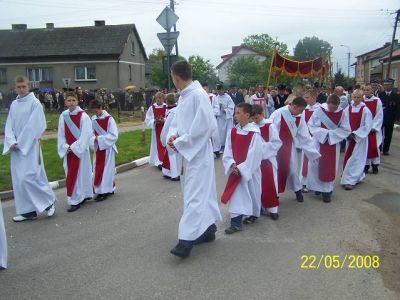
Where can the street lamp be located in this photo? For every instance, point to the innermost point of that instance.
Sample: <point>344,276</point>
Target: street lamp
<point>348,60</point>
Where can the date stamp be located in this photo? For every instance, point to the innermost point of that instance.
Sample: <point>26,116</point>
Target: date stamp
<point>317,262</point>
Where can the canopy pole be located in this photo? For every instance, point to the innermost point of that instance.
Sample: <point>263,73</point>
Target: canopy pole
<point>270,68</point>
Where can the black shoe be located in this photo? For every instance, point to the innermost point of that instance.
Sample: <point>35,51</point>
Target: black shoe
<point>326,197</point>
<point>181,250</point>
<point>208,236</point>
<point>386,153</point>
<point>159,167</point>
<point>86,199</point>
<point>375,169</point>
<point>250,220</point>
<point>299,196</point>
<point>274,216</point>
<point>366,169</point>
<point>217,154</point>
<point>233,229</point>
<point>73,208</point>
<point>317,193</point>
<point>167,177</point>
<point>110,194</point>
<point>176,178</point>
<point>101,197</point>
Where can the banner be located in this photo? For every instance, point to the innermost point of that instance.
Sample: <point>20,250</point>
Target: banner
<point>311,68</point>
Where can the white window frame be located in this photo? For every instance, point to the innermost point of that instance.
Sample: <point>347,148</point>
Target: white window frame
<point>40,74</point>
<point>86,73</point>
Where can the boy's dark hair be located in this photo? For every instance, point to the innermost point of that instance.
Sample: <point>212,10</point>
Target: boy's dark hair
<point>96,104</point>
<point>182,69</point>
<point>258,109</point>
<point>334,99</point>
<point>204,84</point>
<point>299,101</point>
<point>71,94</point>
<point>246,107</point>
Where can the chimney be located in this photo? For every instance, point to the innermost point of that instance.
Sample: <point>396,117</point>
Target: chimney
<point>20,27</point>
<point>99,23</point>
<point>50,26</point>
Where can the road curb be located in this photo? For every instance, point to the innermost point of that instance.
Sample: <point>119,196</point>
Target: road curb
<point>58,184</point>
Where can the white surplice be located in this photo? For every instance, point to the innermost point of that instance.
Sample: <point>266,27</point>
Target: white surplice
<point>377,122</point>
<point>106,142</point>
<point>314,107</point>
<point>25,125</point>
<point>302,140</point>
<point>321,135</point>
<point>83,186</point>
<point>175,160</point>
<point>154,160</point>
<point>215,139</point>
<point>353,173</point>
<point>3,241</point>
<point>224,109</point>
<point>270,150</point>
<point>193,126</point>
<point>246,199</point>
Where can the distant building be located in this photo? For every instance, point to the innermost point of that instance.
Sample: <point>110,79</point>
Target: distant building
<point>99,56</point>
<point>369,65</point>
<point>237,51</point>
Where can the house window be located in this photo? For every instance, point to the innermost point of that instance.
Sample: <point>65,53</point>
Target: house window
<point>395,73</point>
<point>83,73</point>
<point>40,74</point>
<point>133,50</point>
<point>3,75</point>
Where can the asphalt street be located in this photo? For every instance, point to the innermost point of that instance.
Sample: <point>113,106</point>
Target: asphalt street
<point>119,248</point>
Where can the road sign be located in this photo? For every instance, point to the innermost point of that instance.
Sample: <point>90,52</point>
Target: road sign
<point>66,82</point>
<point>167,19</point>
<point>168,40</point>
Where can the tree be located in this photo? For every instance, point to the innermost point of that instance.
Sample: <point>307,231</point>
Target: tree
<point>246,71</point>
<point>310,48</point>
<point>203,70</point>
<point>265,44</point>
<point>158,77</point>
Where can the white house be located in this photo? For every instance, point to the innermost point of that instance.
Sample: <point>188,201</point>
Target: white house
<point>237,51</point>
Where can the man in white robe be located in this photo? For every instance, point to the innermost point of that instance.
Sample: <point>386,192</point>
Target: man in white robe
<point>155,118</point>
<point>3,242</point>
<point>74,134</point>
<point>215,139</point>
<point>103,143</point>
<point>374,104</point>
<point>24,127</point>
<point>293,136</point>
<point>312,105</point>
<point>224,108</point>
<point>190,135</point>
<point>242,160</point>
<point>360,119</point>
<point>329,126</point>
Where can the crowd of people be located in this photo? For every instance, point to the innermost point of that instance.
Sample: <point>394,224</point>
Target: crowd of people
<point>272,140</point>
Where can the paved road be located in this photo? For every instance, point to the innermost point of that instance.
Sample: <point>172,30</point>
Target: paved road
<point>119,249</point>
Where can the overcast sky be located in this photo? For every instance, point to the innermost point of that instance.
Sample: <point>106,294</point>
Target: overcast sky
<point>210,28</point>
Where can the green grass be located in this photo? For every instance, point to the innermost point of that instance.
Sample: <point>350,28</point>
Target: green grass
<point>129,148</point>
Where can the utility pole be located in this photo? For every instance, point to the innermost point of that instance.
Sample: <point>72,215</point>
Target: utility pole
<point>172,6</point>
<point>391,46</point>
<point>348,60</point>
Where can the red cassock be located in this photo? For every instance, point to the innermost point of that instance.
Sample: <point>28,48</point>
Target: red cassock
<point>373,150</point>
<point>269,196</point>
<point>159,112</point>
<point>327,161</point>
<point>100,154</point>
<point>240,148</point>
<point>72,160</point>
<point>355,122</point>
